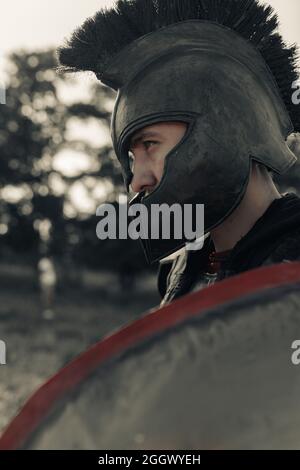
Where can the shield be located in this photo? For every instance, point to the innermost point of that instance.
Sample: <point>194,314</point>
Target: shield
<point>215,369</point>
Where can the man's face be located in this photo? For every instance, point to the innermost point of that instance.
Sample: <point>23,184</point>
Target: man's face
<point>149,147</point>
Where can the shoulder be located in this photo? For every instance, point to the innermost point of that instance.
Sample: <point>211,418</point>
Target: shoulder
<point>288,248</point>
<point>167,268</point>
<point>177,273</point>
<point>162,279</point>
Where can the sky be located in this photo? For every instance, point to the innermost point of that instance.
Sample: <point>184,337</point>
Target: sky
<point>45,23</point>
<point>42,23</point>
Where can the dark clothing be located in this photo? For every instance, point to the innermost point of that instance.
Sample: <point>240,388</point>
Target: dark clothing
<point>274,238</point>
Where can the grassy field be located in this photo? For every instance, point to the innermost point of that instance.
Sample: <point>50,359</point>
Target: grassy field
<point>37,348</point>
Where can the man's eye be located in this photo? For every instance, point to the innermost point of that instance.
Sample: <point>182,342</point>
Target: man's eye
<point>149,143</point>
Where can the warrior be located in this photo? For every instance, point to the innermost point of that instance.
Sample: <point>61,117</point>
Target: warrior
<point>203,113</point>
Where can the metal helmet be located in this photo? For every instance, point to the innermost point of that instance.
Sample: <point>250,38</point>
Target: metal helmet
<point>229,81</point>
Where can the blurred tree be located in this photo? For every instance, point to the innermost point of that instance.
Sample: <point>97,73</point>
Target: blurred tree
<point>32,125</point>
<point>39,199</point>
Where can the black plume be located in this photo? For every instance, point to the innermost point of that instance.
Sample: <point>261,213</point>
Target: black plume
<point>100,38</point>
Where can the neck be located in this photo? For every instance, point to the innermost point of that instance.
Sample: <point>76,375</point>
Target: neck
<point>260,194</point>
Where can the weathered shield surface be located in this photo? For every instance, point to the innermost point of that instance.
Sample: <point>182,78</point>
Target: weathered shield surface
<point>212,370</point>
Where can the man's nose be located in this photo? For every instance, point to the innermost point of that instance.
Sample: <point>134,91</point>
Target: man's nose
<point>143,179</point>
